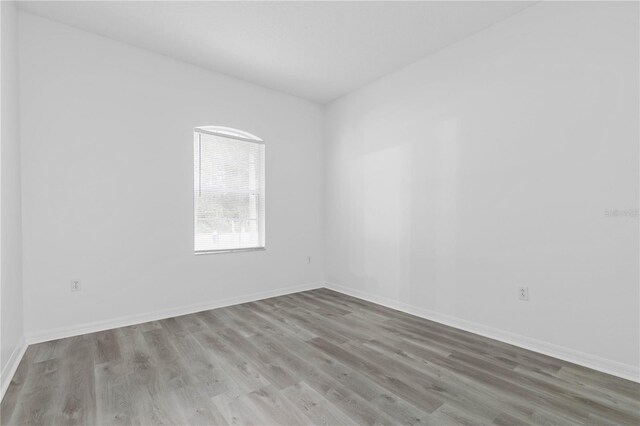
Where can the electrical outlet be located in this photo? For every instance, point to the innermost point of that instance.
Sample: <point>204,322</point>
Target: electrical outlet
<point>523,293</point>
<point>76,285</point>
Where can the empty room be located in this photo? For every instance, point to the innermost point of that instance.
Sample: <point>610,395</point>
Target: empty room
<point>320,213</point>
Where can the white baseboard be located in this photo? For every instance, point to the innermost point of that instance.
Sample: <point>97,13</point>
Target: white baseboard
<point>626,371</point>
<point>11,366</point>
<point>615,368</point>
<point>62,332</point>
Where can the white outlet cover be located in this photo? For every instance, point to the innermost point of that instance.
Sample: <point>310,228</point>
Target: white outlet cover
<point>523,293</point>
<point>76,285</point>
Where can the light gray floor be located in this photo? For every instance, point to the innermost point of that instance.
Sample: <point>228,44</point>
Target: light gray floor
<point>314,357</point>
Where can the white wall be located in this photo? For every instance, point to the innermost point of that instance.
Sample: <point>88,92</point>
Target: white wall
<point>489,166</point>
<point>11,333</point>
<point>107,172</point>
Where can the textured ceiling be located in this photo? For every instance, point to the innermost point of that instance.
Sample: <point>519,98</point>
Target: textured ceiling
<point>315,50</point>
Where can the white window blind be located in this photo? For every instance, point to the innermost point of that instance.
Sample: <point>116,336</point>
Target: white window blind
<point>228,190</point>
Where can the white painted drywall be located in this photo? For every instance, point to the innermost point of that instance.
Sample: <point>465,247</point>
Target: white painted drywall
<point>489,166</point>
<point>10,229</point>
<point>107,172</point>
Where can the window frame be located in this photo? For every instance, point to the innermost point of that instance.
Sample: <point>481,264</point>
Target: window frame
<point>240,135</point>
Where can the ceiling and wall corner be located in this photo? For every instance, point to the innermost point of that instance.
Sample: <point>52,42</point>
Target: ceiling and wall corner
<point>315,50</point>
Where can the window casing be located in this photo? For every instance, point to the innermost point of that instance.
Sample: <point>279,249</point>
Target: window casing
<point>228,190</point>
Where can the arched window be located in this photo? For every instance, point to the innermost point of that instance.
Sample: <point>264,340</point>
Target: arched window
<point>228,190</point>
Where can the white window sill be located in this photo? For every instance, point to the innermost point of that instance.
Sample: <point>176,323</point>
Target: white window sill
<point>197,253</point>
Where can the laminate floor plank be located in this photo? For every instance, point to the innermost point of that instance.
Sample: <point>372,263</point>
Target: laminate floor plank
<point>456,391</point>
<point>316,407</point>
<point>315,357</point>
<point>244,377</point>
<point>113,400</point>
<point>35,405</point>
<point>350,403</point>
<point>76,402</point>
